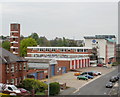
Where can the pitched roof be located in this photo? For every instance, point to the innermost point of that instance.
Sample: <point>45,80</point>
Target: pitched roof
<point>8,57</point>
<point>100,37</point>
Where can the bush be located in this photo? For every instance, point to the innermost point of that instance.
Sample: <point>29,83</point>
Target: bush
<point>37,85</point>
<point>115,63</point>
<point>54,88</point>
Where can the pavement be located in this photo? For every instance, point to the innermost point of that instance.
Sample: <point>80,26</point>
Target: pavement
<point>67,91</point>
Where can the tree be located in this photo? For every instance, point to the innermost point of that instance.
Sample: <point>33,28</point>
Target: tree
<point>24,44</point>
<point>43,41</point>
<point>35,36</point>
<point>54,88</point>
<point>6,45</point>
<point>21,37</point>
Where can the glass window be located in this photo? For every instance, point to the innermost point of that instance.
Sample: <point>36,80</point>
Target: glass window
<point>7,68</point>
<point>12,67</point>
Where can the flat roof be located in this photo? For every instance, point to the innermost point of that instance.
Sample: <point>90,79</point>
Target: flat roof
<point>100,37</point>
<point>63,47</point>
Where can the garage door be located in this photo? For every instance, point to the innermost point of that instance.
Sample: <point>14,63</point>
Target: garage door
<point>64,70</point>
<point>52,70</point>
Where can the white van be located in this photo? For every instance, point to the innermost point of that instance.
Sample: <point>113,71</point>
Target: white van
<point>10,88</point>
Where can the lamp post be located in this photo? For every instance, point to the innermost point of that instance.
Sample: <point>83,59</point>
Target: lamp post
<point>49,79</point>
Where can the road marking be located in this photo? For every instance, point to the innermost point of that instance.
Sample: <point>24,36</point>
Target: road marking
<point>88,82</point>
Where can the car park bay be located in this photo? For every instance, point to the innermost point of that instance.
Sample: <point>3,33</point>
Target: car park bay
<point>72,81</point>
<point>97,87</point>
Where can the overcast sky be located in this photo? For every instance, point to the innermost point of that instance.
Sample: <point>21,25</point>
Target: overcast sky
<point>61,19</point>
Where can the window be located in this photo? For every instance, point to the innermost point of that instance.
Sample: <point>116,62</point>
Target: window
<point>45,71</point>
<point>16,81</point>
<point>7,68</point>
<point>24,66</point>
<point>13,49</point>
<point>12,67</point>
<point>16,67</point>
<point>20,66</point>
<point>12,81</point>
<point>24,77</point>
<point>7,81</point>
<point>13,39</point>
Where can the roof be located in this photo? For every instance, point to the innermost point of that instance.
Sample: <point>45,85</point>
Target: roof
<point>8,57</point>
<point>60,47</point>
<point>39,60</point>
<point>110,40</point>
<point>38,65</point>
<point>100,37</point>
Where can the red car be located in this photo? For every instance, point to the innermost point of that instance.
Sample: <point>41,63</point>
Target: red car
<point>100,65</point>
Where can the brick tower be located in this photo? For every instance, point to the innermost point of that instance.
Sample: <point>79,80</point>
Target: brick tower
<point>15,38</point>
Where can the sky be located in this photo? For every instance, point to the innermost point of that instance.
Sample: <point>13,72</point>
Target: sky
<point>72,20</point>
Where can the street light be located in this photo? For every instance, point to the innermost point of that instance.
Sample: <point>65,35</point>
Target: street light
<point>49,79</point>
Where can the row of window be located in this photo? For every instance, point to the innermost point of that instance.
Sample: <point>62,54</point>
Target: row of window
<point>57,56</point>
<point>61,50</point>
<point>15,68</point>
<point>15,81</point>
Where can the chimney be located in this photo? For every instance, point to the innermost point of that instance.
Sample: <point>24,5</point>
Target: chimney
<point>15,38</point>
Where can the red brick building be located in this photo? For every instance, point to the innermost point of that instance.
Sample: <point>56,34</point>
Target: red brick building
<point>13,68</point>
<point>15,39</point>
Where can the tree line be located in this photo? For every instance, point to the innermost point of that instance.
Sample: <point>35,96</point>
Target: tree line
<point>34,40</point>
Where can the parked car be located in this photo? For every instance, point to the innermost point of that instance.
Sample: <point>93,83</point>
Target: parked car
<point>82,77</point>
<point>96,72</point>
<point>113,79</point>
<point>88,76</point>
<point>77,73</point>
<point>100,65</point>
<point>109,85</point>
<point>23,90</point>
<point>116,77</point>
<point>90,73</point>
<point>9,88</point>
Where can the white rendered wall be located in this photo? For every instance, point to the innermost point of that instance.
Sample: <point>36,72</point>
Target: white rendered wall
<point>101,44</point>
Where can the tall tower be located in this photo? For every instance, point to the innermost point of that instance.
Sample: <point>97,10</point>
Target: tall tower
<point>15,38</point>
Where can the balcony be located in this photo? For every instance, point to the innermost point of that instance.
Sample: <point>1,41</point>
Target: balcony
<point>13,36</point>
<point>14,47</point>
<point>15,52</point>
<point>13,42</point>
<point>14,31</point>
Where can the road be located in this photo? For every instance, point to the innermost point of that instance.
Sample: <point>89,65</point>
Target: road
<point>97,87</point>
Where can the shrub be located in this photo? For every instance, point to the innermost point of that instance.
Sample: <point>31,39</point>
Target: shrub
<point>30,84</point>
<point>115,63</point>
<point>54,88</point>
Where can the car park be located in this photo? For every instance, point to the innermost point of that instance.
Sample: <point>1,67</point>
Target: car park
<point>77,73</point>
<point>88,76</point>
<point>109,85</point>
<point>82,77</point>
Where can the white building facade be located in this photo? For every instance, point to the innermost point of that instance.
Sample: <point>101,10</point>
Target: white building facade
<point>105,44</point>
